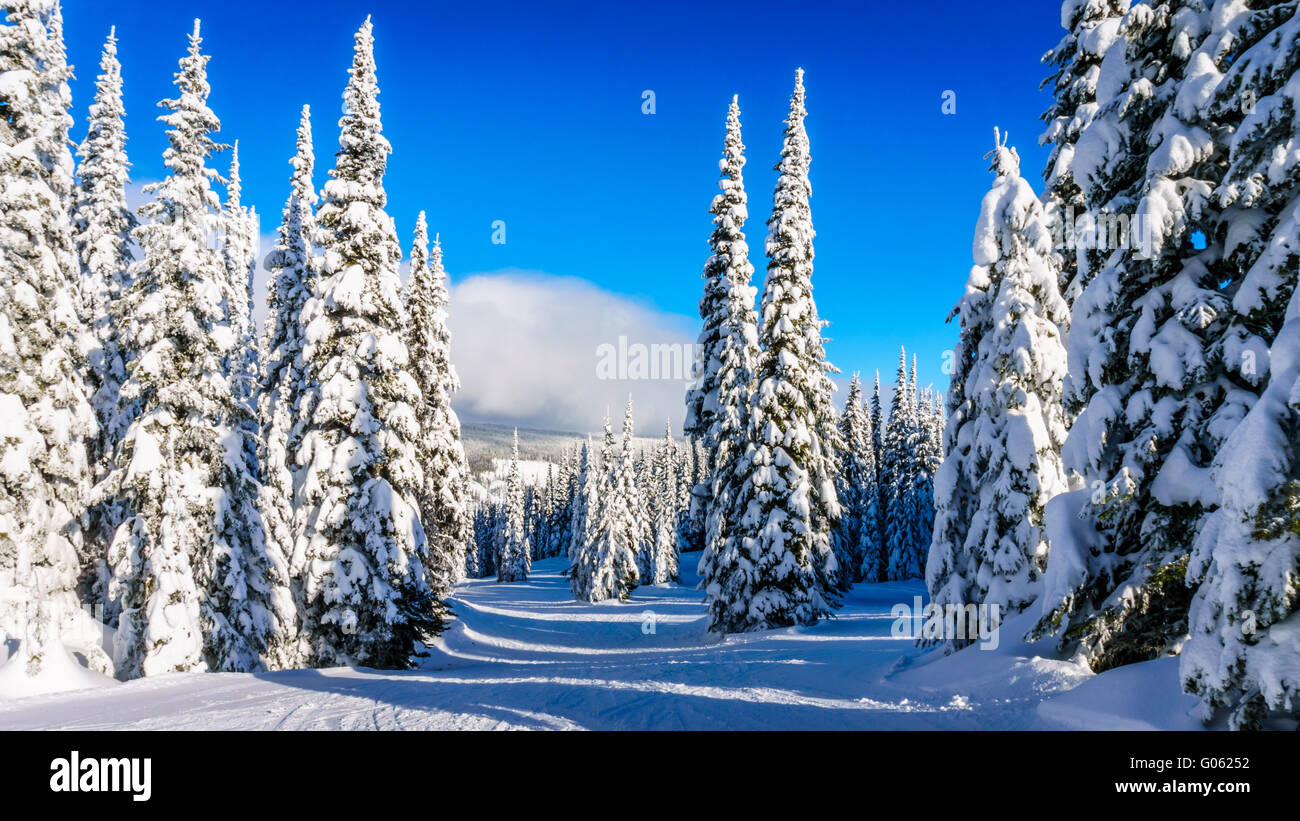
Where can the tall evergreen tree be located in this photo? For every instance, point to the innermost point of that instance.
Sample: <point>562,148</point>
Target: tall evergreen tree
<point>855,536</point>
<point>1242,652</point>
<point>663,497</point>
<point>190,566</point>
<point>47,422</point>
<point>897,475</point>
<point>717,409</point>
<point>294,265</point>
<point>605,565</point>
<point>882,487</point>
<point>367,599</point>
<point>1003,452</point>
<point>777,567</point>
<point>560,524</point>
<point>513,560</point>
<point>638,489</point>
<point>239,250</point>
<point>584,501</point>
<point>1145,341</point>
<point>441,455</point>
<point>725,353</point>
<point>101,224</point>
<point>918,484</point>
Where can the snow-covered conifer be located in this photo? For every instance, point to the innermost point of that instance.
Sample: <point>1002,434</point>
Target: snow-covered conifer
<point>898,475</point>
<point>293,266</point>
<point>855,536</point>
<point>190,566</point>
<point>102,224</point>
<point>514,560</point>
<point>442,457</point>
<point>777,567</point>
<point>1242,654</point>
<point>47,421</point>
<point>1145,349</point>
<point>729,345</point>
<point>367,599</point>
<point>1003,452</point>
<point>239,250</point>
<point>584,502</point>
<point>605,566</point>
<point>663,509</point>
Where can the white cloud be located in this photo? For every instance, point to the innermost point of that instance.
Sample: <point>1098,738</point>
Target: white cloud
<point>525,346</point>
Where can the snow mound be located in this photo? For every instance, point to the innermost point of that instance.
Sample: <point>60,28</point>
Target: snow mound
<point>1143,696</point>
<point>1013,671</point>
<point>60,673</point>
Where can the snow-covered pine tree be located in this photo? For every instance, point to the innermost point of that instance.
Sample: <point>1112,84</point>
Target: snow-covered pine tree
<point>640,494</point>
<point>631,481</point>
<point>484,544</point>
<point>948,569</point>
<point>47,421</point>
<point>928,452</point>
<point>488,538</point>
<point>473,568</point>
<point>896,476</point>
<point>882,487</point>
<point>440,453</point>
<point>727,308</point>
<point>729,343</point>
<point>529,519</point>
<point>1146,342</point>
<point>1243,649</point>
<point>854,536</point>
<point>367,599</point>
<point>690,523</point>
<point>1003,452</point>
<point>101,225</point>
<point>1091,28</point>
<point>605,565</point>
<point>545,512</point>
<point>293,265</point>
<point>559,525</point>
<point>1242,652</point>
<point>872,557</point>
<point>663,509</point>
<point>239,251</point>
<point>583,503</point>
<point>513,561</point>
<point>911,552</point>
<point>777,567</point>
<point>190,566</point>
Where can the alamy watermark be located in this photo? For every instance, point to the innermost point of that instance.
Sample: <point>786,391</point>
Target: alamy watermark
<point>676,361</point>
<point>973,622</point>
<point>1102,232</point>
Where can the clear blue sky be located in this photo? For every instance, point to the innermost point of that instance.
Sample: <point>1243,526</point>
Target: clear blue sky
<point>530,112</point>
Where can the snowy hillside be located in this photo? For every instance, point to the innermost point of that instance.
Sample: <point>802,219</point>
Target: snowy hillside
<point>527,656</point>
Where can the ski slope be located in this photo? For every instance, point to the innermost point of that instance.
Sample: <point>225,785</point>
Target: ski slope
<point>527,656</point>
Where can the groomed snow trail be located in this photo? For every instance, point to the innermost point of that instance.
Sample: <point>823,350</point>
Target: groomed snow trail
<point>528,656</point>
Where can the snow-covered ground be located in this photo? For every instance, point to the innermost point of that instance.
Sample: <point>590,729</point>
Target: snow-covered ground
<point>529,656</point>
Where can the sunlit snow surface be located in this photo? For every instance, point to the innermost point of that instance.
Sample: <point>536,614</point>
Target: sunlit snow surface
<point>527,656</point>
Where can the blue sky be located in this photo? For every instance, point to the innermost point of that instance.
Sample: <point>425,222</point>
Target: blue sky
<point>531,113</point>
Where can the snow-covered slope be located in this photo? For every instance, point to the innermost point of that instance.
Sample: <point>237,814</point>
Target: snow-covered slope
<point>528,656</point>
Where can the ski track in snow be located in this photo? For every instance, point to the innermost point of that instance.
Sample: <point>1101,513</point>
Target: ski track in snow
<point>527,656</point>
